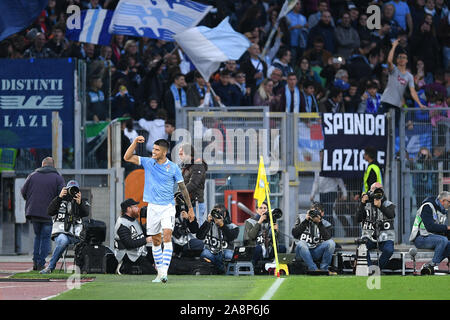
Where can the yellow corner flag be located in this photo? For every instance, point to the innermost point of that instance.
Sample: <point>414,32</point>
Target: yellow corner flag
<point>261,192</point>
<point>261,183</point>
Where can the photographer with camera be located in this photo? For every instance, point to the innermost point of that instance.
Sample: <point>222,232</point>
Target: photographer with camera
<point>377,216</point>
<point>218,234</point>
<point>314,241</point>
<point>186,226</point>
<point>430,230</point>
<point>257,233</point>
<point>67,209</point>
<point>130,242</point>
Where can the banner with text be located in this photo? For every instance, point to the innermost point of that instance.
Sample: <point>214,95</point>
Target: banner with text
<point>29,91</point>
<point>345,137</point>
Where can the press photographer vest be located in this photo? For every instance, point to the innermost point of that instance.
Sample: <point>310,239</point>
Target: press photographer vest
<point>386,226</point>
<point>311,235</point>
<point>136,233</point>
<point>419,227</point>
<point>214,240</point>
<point>59,221</point>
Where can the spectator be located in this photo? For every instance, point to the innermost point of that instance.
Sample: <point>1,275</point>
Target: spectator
<point>175,97</point>
<point>317,54</point>
<point>227,94</point>
<point>276,76</point>
<point>403,16</point>
<point>399,78</point>
<point>354,14</point>
<point>347,38</point>
<point>153,80</point>
<point>105,56</point>
<point>381,37</point>
<point>305,73</point>
<point>361,27</point>
<point>439,118</point>
<point>439,84</point>
<point>283,62</point>
<point>325,29</point>
<point>117,44</point>
<point>371,99</point>
<point>169,127</point>
<point>298,27</point>
<point>358,65</point>
<point>254,68</point>
<point>441,9</point>
<point>422,181</point>
<point>335,64</point>
<point>264,95</point>
<point>351,98</point>
<point>58,44</point>
<point>67,210</point>
<point>240,82</point>
<point>430,8</point>
<point>93,4</point>
<point>97,109</point>
<point>425,46</point>
<point>155,128</point>
<point>196,92</point>
<point>122,102</point>
<point>308,101</point>
<point>128,131</point>
<point>315,18</point>
<point>334,102</point>
<point>290,96</point>
<point>38,191</point>
<point>422,76</point>
<point>38,49</point>
<point>417,13</point>
<point>389,14</point>
<point>149,109</point>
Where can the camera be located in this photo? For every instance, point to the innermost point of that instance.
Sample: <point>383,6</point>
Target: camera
<point>314,213</point>
<point>337,60</point>
<point>216,213</point>
<point>377,194</point>
<point>276,214</point>
<point>180,204</point>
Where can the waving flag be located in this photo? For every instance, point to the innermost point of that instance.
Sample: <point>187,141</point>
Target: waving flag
<point>261,183</point>
<point>18,14</point>
<point>207,47</point>
<point>94,27</point>
<point>158,19</point>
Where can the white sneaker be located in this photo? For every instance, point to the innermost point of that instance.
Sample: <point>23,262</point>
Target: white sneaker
<point>157,279</point>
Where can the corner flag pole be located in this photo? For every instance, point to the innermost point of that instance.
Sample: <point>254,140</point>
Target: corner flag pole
<point>274,240</point>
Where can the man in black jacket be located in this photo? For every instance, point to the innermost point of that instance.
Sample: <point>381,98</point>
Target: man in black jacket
<point>39,189</point>
<point>67,209</point>
<point>130,242</point>
<point>314,241</point>
<point>218,235</point>
<point>194,168</point>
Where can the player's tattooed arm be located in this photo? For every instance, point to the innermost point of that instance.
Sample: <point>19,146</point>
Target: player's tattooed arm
<point>185,194</point>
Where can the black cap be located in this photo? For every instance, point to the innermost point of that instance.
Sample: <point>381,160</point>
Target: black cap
<point>127,203</point>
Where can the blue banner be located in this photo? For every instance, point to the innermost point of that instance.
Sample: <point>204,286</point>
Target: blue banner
<point>30,90</point>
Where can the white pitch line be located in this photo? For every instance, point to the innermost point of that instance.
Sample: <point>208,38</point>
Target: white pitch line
<point>269,294</point>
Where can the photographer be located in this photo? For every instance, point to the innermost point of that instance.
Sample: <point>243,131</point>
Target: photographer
<point>314,239</point>
<point>257,233</point>
<point>377,216</point>
<point>218,235</point>
<point>186,226</point>
<point>130,242</point>
<point>67,209</point>
<point>194,175</point>
<point>430,229</point>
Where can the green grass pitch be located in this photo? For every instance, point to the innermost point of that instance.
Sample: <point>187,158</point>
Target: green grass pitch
<point>294,287</point>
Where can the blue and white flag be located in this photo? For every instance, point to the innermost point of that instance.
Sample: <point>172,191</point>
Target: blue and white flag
<point>94,27</point>
<point>207,47</point>
<point>16,15</point>
<point>157,19</point>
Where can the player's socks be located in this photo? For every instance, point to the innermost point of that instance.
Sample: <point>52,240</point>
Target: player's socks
<point>158,257</point>
<point>167,257</point>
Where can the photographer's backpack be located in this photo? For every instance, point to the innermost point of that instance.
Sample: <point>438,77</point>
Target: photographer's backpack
<point>191,266</point>
<point>91,256</point>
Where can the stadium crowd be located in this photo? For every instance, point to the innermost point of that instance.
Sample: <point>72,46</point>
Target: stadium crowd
<point>323,50</point>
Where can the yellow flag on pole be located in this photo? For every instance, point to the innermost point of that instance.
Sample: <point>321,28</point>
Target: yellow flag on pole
<point>261,183</point>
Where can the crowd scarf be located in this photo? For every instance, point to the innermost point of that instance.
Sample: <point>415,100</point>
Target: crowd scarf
<point>203,94</point>
<point>308,104</point>
<point>176,96</point>
<point>296,99</point>
<point>370,107</point>
<point>335,106</point>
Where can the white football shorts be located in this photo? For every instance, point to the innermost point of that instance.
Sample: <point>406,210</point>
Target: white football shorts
<point>160,217</point>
